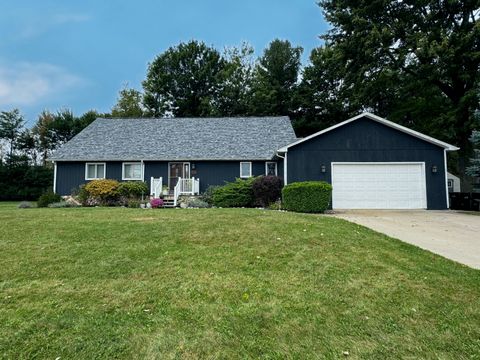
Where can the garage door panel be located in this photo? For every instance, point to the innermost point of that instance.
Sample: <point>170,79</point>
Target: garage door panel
<point>378,186</point>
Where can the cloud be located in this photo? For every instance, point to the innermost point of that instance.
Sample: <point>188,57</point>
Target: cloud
<point>31,83</point>
<point>35,26</point>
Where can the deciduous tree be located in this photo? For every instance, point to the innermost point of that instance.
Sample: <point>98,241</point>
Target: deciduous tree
<point>183,81</point>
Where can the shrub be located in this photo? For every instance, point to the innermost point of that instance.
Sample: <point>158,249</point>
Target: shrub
<point>18,181</point>
<point>81,195</point>
<point>277,205</point>
<point>308,196</point>
<point>133,203</point>
<point>104,189</point>
<point>234,194</point>
<point>48,198</point>
<point>266,190</point>
<point>207,196</point>
<point>62,204</point>
<point>25,205</point>
<point>197,203</point>
<point>133,189</point>
<point>156,203</point>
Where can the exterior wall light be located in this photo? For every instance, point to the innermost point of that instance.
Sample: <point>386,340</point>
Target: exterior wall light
<point>434,169</point>
<point>323,168</point>
<point>193,166</point>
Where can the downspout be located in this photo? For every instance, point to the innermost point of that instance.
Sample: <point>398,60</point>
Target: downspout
<point>284,167</point>
<point>446,177</point>
<point>54,176</point>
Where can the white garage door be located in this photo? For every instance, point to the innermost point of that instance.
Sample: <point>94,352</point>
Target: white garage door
<point>378,186</point>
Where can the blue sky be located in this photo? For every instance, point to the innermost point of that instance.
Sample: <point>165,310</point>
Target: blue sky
<point>78,54</point>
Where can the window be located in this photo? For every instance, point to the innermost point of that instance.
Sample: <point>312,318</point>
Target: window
<point>94,171</point>
<point>271,168</point>
<point>132,171</point>
<point>450,183</point>
<point>245,169</point>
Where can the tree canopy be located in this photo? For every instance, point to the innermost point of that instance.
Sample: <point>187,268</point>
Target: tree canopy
<point>183,81</point>
<point>417,53</point>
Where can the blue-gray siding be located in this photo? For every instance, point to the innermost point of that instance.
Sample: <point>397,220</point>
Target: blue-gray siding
<point>70,175</point>
<point>365,140</point>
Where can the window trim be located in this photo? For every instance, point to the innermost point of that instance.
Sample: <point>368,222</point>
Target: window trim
<point>266,167</point>
<point>96,170</point>
<point>132,163</point>
<point>242,176</point>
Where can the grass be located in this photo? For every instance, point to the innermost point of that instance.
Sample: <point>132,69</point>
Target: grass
<point>224,283</point>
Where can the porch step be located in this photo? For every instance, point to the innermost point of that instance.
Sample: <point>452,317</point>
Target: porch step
<point>168,202</point>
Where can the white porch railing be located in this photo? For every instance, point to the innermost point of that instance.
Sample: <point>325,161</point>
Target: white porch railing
<point>156,186</point>
<point>189,186</point>
<point>186,186</point>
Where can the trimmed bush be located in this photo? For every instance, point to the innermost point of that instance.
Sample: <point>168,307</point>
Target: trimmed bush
<point>307,197</point>
<point>48,198</point>
<point>234,194</point>
<point>266,190</point>
<point>103,189</point>
<point>133,189</point>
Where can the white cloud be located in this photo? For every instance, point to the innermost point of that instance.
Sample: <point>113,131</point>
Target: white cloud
<point>35,26</point>
<point>30,83</point>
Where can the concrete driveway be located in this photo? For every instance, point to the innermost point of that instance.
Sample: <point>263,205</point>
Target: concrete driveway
<point>452,234</point>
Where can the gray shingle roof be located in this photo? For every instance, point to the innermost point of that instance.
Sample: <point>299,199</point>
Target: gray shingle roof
<point>253,138</point>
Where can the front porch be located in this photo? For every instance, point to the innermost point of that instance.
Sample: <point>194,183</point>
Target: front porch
<point>178,187</point>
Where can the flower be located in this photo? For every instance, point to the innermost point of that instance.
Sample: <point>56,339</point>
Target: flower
<point>156,203</point>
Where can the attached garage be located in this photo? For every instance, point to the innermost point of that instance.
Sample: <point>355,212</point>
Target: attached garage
<point>379,186</point>
<point>372,163</point>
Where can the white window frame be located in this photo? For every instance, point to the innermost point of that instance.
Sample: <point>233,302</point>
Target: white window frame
<point>271,162</point>
<point>242,176</point>
<point>132,163</point>
<point>96,170</point>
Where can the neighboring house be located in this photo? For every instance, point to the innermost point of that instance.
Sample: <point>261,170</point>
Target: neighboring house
<point>371,162</point>
<point>453,183</point>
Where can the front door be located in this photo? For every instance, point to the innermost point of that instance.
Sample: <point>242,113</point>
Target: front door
<point>176,170</point>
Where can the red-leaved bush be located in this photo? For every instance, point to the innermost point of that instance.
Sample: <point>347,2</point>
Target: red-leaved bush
<point>267,190</point>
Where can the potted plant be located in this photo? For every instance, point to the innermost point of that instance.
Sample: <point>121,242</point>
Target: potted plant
<point>165,190</point>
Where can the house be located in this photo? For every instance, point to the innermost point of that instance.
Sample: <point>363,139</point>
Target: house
<point>453,183</point>
<point>370,161</point>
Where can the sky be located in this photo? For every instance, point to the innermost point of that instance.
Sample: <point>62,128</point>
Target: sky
<point>79,54</point>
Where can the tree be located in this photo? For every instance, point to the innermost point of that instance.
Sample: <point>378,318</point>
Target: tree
<point>183,81</point>
<point>42,131</point>
<point>431,45</point>
<point>236,80</point>
<point>54,129</point>
<point>322,98</point>
<point>86,119</point>
<point>129,104</point>
<point>276,77</point>
<point>28,144</point>
<point>11,124</point>
<point>474,168</point>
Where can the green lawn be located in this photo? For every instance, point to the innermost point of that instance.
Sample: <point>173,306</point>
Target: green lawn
<point>223,283</point>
